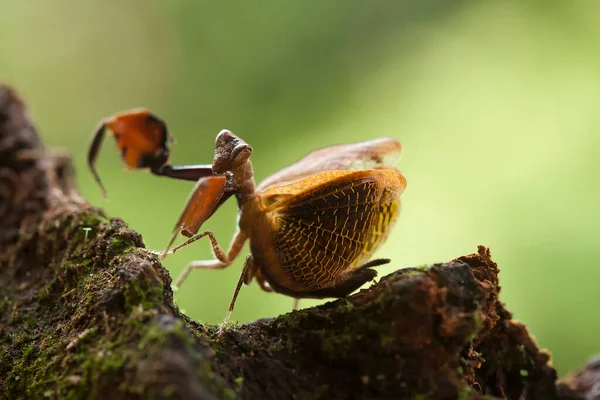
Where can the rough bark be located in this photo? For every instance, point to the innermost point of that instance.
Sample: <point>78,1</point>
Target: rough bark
<point>87,313</point>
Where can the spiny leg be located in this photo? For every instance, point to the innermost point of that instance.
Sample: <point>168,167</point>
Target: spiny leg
<point>247,272</point>
<point>223,260</point>
<point>205,264</point>
<point>203,201</point>
<point>219,253</point>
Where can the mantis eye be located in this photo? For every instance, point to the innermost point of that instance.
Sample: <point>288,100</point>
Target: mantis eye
<point>240,154</point>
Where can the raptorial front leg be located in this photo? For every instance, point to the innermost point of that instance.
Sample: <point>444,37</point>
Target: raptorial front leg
<point>184,172</point>
<point>219,252</point>
<point>205,198</point>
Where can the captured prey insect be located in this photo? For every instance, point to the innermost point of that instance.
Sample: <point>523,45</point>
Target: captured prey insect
<point>312,226</point>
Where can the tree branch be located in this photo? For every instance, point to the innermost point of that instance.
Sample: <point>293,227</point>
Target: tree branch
<point>86,313</point>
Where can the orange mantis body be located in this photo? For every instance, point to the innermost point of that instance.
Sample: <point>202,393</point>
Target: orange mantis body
<point>312,226</point>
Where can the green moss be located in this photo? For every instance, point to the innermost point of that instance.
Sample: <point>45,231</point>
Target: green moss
<point>341,344</point>
<point>337,345</point>
<point>206,374</point>
<point>5,304</point>
<point>239,380</point>
<point>31,321</point>
<point>32,373</point>
<point>345,305</point>
<point>92,349</point>
<point>465,393</point>
<point>145,292</point>
<point>119,245</point>
<point>155,335</point>
<point>478,319</point>
<point>384,298</point>
<point>28,350</point>
<point>423,267</point>
<point>45,362</point>
<point>99,364</point>
<point>168,391</point>
<point>92,219</point>
<point>290,320</point>
<point>4,338</point>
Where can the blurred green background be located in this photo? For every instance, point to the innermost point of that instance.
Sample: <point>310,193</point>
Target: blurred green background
<point>496,104</point>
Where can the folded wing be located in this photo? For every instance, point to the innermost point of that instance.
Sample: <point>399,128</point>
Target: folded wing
<point>334,223</point>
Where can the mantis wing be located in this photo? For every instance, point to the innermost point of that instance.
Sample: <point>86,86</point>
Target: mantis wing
<point>332,222</point>
<point>351,156</point>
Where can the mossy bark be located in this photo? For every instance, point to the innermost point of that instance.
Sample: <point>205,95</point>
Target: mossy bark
<point>85,312</point>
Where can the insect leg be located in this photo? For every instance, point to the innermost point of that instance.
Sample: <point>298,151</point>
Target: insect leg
<point>223,260</point>
<point>184,172</point>
<point>249,269</point>
<point>213,242</point>
<point>264,285</point>
<point>205,264</point>
<point>200,205</point>
<point>93,154</point>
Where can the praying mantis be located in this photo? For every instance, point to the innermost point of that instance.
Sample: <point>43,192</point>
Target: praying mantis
<point>312,226</point>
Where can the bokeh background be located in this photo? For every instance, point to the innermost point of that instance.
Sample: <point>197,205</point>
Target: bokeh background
<point>496,103</point>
